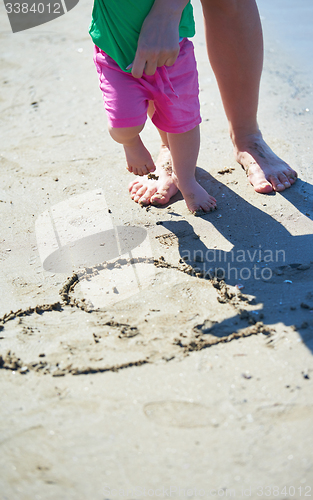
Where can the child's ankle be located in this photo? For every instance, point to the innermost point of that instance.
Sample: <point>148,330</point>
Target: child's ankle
<point>130,143</point>
<point>184,182</point>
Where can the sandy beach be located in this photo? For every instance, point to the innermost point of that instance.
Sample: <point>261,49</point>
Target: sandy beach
<point>147,352</point>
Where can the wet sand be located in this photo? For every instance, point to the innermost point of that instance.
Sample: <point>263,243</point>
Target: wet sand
<point>143,347</point>
<point>289,23</point>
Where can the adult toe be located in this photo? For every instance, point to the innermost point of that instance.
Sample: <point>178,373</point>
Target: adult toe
<point>140,193</point>
<point>263,186</point>
<point>160,198</point>
<point>260,183</point>
<point>276,183</point>
<point>134,186</point>
<point>146,197</point>
<point>284,180</point>
<point>292,176</point>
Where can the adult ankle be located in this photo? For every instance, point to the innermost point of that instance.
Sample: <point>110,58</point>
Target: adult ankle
<point>240,136</point>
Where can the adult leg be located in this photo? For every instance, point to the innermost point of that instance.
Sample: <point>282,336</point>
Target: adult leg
<point>235,48</point>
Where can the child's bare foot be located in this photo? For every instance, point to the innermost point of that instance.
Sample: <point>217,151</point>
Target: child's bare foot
<point>265,170</point>
<point>196,198</point>
<point>138,158</point>
<point>155,191</point>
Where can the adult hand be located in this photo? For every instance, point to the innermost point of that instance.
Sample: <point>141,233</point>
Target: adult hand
<point>158,43</point>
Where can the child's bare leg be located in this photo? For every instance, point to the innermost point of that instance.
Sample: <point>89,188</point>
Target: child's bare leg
<point>184,150</point>
<point>156,191</point>
<point>138,158</point>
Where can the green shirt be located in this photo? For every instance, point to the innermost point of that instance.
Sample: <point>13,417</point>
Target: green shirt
<point>116,25</point>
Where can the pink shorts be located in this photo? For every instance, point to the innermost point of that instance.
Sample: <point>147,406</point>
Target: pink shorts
<point>173,89</point>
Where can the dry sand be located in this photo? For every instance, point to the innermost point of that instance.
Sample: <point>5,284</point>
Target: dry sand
<point>134,373</point>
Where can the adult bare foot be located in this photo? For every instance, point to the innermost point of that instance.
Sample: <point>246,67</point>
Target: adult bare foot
<point>138,158</point>
<point>156,191</point>
<point>265,170</point>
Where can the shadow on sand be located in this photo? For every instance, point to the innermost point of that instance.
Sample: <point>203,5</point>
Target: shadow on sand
<point>273,265</point>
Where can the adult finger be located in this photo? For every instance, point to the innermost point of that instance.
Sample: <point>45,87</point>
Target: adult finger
<point>171,57</point>
<point>139,64</point>
<point>151,66</point>
<point>170,61</point>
